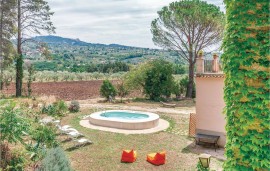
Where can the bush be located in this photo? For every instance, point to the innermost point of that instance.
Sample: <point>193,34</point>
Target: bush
<point>159,80</point>
<point>181,87</point>
<point>44,136</point>
<point>18,160</point>
<point>122,90</point>
<point>107,90</point>
<point>74,106</point>
<point>55,160</point>
<point>58,109</point>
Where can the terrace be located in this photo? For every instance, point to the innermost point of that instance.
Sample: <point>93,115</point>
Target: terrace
<point>208,67</point>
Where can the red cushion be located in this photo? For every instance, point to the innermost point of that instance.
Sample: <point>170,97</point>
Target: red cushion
<point>158,159</point>
<point>128,156</point>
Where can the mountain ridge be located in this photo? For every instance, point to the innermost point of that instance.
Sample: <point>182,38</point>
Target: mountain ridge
<point>51,39</point>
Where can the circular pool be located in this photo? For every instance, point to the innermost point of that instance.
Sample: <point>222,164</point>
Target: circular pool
<point>124,119</point>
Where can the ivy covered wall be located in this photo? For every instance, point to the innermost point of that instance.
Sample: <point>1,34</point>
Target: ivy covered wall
<point>246,66</point>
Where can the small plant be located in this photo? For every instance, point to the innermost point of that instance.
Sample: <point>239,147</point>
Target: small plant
<point>50,110</point>
<point>61,107</point>
<point>58,108</point>
<point>17,161</point>
<point>44,136</point>
<point>55,159</point>
<point>107,90</point>
<point>31,70</point>
<point>74,106</point>
<point>122,91</point>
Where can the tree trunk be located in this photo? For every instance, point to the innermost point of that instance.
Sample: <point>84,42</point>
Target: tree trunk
<point>190,72</point>
<point>19,60</point>
<point>190,80</point>
<point>1,48</point>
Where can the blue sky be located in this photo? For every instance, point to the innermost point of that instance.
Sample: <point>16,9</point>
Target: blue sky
<point>125,22</point>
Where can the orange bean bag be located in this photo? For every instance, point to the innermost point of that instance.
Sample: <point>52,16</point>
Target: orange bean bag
<point>156,158</point>
<point>129,156</point>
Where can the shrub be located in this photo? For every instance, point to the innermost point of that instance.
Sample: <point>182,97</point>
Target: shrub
<point>176,89</point>
<point>55,160</point>
<point>135,78</point>
<point>13,125</point>
<point>122,90</point>
<point>50,110</point>
<point>107,90</point>
<point>18,160</point>
<point>159,80</point>
<point>58,109</point>
<point>181,87</point>
<point>44,136</point>
<point>74,106</point>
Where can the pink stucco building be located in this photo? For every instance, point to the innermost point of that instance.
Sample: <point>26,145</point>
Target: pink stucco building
<point>209,99</point>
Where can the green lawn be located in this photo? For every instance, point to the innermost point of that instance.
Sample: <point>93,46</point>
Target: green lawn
<point>105,153</point>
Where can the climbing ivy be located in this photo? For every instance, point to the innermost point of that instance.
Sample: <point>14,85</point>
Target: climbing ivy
<point>246,66</point>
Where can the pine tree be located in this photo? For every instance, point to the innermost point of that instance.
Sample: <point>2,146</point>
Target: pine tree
<point>7,29</point>
<point>33,16</point>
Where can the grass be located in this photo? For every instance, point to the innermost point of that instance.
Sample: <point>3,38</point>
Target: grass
<point>105,153</point>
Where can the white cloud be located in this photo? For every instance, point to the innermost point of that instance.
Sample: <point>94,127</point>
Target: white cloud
<point>124,22</point>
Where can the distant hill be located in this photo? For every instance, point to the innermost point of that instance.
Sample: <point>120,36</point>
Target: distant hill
<point>73,42</point>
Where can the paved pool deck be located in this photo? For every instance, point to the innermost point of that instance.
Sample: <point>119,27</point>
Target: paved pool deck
<point>162,125</point>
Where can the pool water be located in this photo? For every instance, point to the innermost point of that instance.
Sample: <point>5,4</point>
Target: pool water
<point>124,115</point>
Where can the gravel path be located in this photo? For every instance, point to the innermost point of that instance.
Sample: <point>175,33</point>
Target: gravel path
<point>134,106</point>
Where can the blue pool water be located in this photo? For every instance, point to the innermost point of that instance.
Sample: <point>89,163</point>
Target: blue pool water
<point>124,115</point>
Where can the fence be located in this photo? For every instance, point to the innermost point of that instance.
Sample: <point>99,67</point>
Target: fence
<point>210,68</point>
<point>192,125</point>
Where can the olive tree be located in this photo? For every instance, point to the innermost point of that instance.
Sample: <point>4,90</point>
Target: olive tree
<point>187,27</point>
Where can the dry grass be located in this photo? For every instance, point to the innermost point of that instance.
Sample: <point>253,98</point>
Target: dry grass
<point>105,153</point>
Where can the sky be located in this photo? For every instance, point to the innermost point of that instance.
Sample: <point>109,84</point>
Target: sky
<point>125,22</point>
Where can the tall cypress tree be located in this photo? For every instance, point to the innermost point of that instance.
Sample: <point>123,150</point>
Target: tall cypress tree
<point>33,16</point>
<point>246,65</point>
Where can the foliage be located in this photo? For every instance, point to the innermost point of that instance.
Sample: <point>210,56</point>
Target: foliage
<point>108,67</point>
<point>159,80</point>
<point>44,135</point>
<point>17,161</point>
<point>246,66</point>
<point>12,124</point>
<point>31,70</point>
<point>179,69</point>
<point>7,29</point>
<point>107,90</point>
<point>55,160</point>
<point>74,106</point>
<point>135,78</point>
<point>122,90</point>
<point>12,160</point>
<point>40,20</point>
<point>58,108</point>
<point>187,27</point>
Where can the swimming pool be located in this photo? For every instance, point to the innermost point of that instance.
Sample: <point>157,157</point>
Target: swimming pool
<point>124,119</point>
<point>124,115</point>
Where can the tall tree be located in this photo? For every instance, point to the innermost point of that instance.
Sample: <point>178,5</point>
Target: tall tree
<point>187,27</point>
<point>33,16</point>
<point>246,66</point>
<point>7,30</point>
